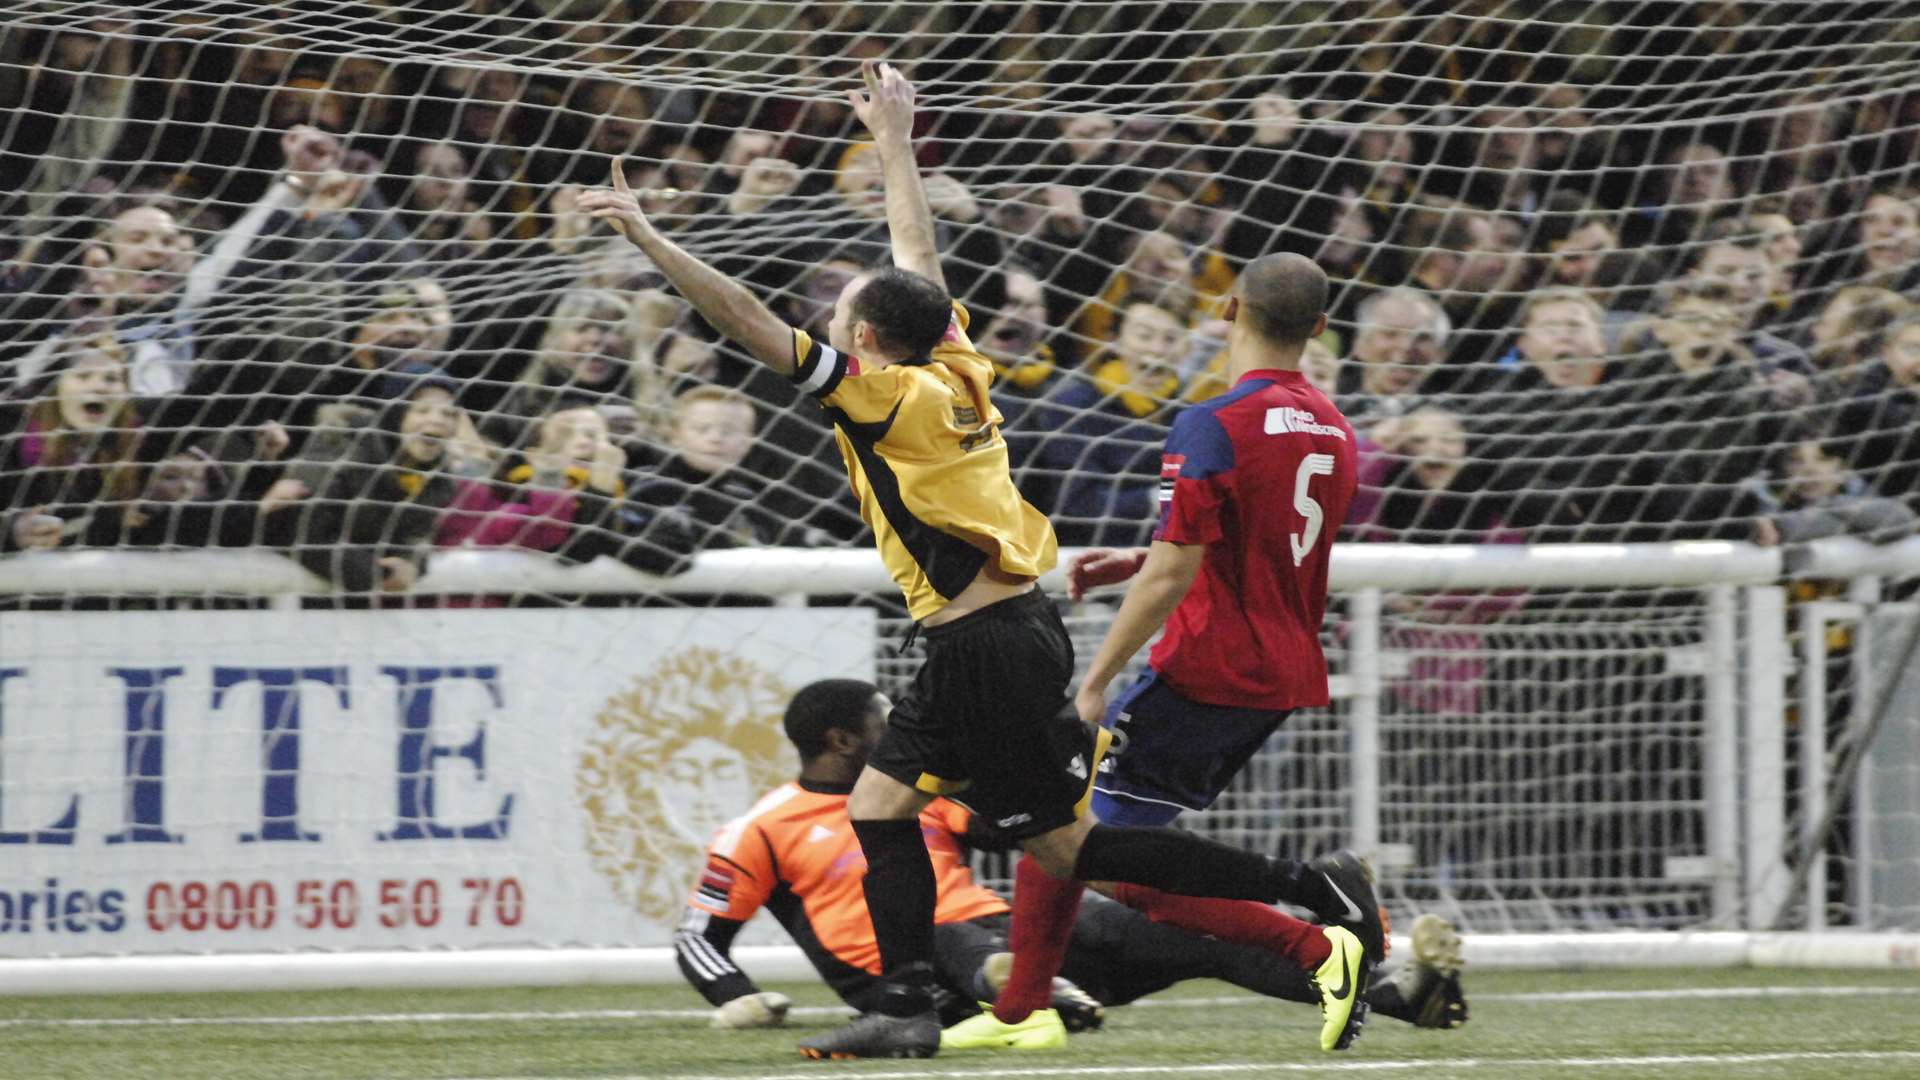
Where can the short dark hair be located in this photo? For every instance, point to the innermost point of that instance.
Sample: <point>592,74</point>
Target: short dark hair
<point>908,313</point>
<point>1282,297</point>
<point>824,706</point>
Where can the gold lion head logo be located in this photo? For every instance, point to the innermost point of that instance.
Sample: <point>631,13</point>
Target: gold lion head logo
<point>679,753</point>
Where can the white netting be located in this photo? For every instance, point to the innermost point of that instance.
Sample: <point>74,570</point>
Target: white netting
<point>309,279</point>
<point>1635,239</point>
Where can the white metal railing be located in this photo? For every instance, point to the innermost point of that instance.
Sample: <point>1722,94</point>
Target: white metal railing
<point>783,571</point>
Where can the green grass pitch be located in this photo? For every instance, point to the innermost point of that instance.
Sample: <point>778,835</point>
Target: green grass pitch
<point>1794,1025</point>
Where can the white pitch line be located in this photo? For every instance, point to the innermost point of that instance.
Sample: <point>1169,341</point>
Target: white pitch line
<point>1724,992</point>
<point>401,1018</point>
<point>1256,1068</point>
<point>830,1011</point>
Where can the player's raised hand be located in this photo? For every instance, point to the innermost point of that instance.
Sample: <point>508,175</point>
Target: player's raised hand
<point>887,106</point>
<point>1102,566</point>
<point>617,205</point>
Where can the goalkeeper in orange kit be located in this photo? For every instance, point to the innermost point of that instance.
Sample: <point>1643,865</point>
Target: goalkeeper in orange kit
<point>793,855</point>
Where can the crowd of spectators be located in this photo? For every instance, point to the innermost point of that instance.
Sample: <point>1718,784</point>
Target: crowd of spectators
<point>263,292</point>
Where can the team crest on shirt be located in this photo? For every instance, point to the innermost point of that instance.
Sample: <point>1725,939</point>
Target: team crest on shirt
<point>1169,472</point>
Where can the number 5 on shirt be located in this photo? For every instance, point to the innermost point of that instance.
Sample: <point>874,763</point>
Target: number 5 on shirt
<point>1306,506</point>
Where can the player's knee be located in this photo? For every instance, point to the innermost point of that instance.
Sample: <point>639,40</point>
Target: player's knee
<point>1056,851</point>
<point>1053,860</point>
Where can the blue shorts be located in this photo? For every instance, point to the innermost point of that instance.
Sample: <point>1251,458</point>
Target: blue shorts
<point>1171,754</point>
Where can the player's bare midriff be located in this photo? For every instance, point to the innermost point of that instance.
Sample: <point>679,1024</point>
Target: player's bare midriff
<point>990,586</point>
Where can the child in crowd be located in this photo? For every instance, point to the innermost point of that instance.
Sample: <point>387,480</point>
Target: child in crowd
<point>712,432</point>
<point>1808,494</point>
<point>191,499</point>
<point>1849,333</point>
<point>378,480</point>
<point>1877,432</point>
<point>567,494</point>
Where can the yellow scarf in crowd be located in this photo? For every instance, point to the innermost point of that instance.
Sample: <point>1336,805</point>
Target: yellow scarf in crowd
<point>577,476</point>
<point>1110,377</point>
<point>1028,375</point>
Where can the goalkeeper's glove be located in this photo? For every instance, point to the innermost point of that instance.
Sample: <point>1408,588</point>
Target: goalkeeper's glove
<point>762,1010</point>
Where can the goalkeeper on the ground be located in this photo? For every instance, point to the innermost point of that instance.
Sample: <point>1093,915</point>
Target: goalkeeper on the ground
<point>794,854</point>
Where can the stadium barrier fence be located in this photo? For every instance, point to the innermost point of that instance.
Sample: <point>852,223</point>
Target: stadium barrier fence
<point>1711,882</point>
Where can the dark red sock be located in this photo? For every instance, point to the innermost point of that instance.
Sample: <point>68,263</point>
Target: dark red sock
<point>1242,922</point>
<point>1043,912</point>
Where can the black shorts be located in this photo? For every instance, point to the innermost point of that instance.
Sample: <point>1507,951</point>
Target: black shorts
<point>988,721</point>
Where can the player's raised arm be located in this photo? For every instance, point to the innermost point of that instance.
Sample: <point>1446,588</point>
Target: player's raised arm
<point>887,110</point>
<point>725,303</point>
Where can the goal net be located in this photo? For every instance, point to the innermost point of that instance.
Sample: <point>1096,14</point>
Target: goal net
<point>392,558</point>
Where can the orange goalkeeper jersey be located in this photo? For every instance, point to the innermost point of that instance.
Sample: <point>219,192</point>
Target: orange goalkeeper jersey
<point>799,843</point>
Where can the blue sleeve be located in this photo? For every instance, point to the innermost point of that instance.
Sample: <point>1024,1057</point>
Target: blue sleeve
<point>1199,444</point>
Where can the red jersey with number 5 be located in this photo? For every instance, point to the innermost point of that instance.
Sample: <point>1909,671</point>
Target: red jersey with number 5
<point>1262,476</point>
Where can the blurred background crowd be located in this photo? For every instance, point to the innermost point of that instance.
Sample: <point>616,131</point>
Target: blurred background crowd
<point>1613,271</point>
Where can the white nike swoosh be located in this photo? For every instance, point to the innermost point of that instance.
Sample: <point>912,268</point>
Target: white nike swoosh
<point>1353,909</point>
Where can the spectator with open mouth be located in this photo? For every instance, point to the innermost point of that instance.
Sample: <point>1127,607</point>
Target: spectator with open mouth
<point>1890,240</point>
<point>1400,339</point>
<point>67,459</point>
<point>129,283</point>
<point>1012,308</point>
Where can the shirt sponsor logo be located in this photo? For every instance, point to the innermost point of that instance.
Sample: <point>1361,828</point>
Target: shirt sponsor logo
<point>982,437</point>
<point>1284,419</point>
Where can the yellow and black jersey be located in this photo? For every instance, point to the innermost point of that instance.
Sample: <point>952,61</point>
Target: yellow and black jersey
<point>923,449</point>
